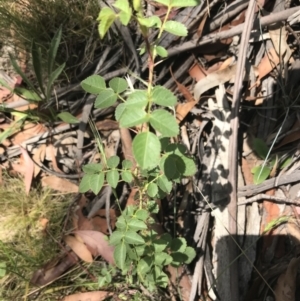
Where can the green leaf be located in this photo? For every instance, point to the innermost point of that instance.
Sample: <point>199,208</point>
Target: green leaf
<point>91,181</point>
<point>118,84</point>
<point>286,162</point>
<point>165,123</point>
<point>191,254</point>
<point>141,250</point>
<point>131,253</point>
<point>37,65</point>
<point>112,178</point>
<point>122,5</point>
<point>2,269</point>
<point>161,51</point>
<point>93,84</point>
<point>153,21</point>
<point>184,3</point>
<point>167,237</point>
<point>132,237</point>
<point>96,182</point>
<point>146,150</point>
<point>108,278</point>
<point>144,266</point>
<point>106,17</point>
<point>173,166</point>
<point>162,259</point>
<point>52,77</point>
<point>137,99</point>
<point>105,99</point>
<point>113,161</point>
<point>142,214</point>
<point>163,96</point>
<point>190,166</point>
<point>120,255</point>
<point>259,174</point>
<point>136,225</point>
<point>92,168</point>
<point>125,18</point>
<point>178,258</point>
<point>152,190</point>
<point>101,281</point>
<point>120,109</point>
<point>21,73</point>
<point>126,176</point>
<point>164,2</point>
<point>53,49</point>
<point>132,117</point>
<point>176,28</point>
<point>121,223</point>
<point>127,164</point>
<point>116,237</point>
<point>84,185</point>
<point>27,94</point>
<point>152,207</point>
<point>260,147</point>
<point>126,12</point>
<point>164,184</point>
<point>160,245</point>
<point>67,117</point>
<point>178,244</point>
<point>162,280</point>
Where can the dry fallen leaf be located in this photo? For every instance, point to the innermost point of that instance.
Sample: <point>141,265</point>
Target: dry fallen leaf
<point>38,157</point>
<point>59,184</point>
<point>29,130</point>
<point>79,248</point>
<point>286,284</point>
<point>97,244</point>
<point>214,79</point>
<point>89,296</point>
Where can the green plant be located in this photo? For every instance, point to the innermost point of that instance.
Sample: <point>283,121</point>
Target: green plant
<point>34,94</point>
<point>140,252</point>
<point>270,165</point>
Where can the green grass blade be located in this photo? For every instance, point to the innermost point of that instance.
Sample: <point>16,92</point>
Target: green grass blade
<point>22,74</point>
<point>37,66</point>
<point>53,76</point>
<point>53,50</point>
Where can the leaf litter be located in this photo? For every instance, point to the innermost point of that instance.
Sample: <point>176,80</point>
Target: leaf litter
<point>204,70</point>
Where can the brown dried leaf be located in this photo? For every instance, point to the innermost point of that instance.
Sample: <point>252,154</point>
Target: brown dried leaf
<point>79,248</point>
<point>89,296</point>
<point>214,79</point>
<point>29,130</point>
<point>51,153</point>
<point>267,64</point>
<point>59,184</point>
<point>97,244</point>
<point>38,157</point>
<point>286,284</point>
<point>53,269</point>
